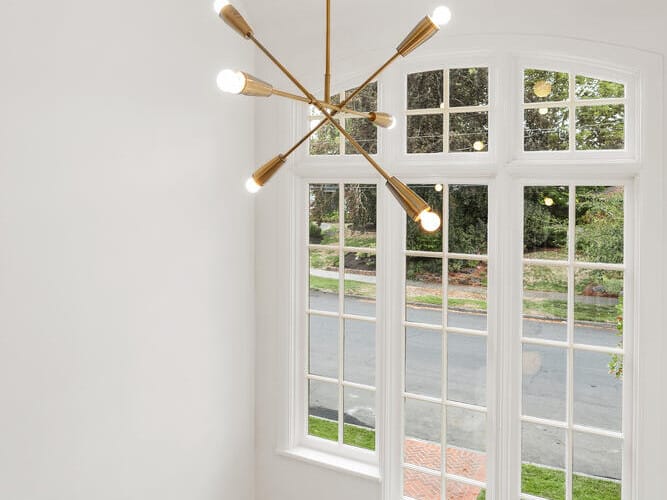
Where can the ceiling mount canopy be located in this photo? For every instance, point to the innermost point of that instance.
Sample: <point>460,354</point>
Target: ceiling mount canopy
<point>238,82</point>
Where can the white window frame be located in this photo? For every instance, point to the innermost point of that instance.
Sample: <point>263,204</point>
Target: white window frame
<point>506,168</point>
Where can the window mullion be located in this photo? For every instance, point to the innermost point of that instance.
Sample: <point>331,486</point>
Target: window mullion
<point>570,337</point>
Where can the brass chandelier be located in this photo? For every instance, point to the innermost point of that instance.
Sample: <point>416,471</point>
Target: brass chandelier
<point>238,82</point>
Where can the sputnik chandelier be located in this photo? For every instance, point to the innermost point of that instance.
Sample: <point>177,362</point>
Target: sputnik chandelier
<point>237,82</point>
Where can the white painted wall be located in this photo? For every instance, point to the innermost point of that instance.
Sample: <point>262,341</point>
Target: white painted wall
<point>638,25</point>
<point>126,254</point>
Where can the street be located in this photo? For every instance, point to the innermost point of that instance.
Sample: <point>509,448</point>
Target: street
<point>597,394</point>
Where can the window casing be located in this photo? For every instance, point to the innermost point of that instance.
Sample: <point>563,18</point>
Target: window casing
<point>504,348</point>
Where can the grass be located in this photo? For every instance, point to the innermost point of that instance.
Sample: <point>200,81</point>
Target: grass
<point>352,288</point>
<point>582,312</point>
<point>535,480</point>
<point>353,435</point>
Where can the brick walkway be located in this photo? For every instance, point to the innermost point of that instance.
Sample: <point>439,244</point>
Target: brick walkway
<point>465,463</point>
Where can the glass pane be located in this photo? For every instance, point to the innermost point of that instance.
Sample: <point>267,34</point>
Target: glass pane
<point>468,87</point>
<point>545,221</point>
<point>324,217</point>
<point>599,232</point>
<point>360,215</point>
<point>546,129</point>
<point>601,127</point>
<point>326,141</point>
<point>423,290</point>
<point>425,134</point>
<point>416,238</point>
<point>323,346</point>
<point>468,132</point>
<point>545,302</point>
<point>459,491</point>
<point>364,132</point>
<point>598,307</point>
<point>360,285</point>
<point>423,362</point>
<point>359,418</point>
<point>543,86</point>
<point>466,369</point>
<point>597,462</point>
<point>421,486</point>
<point>323,410</point>
<point>360,352</point>
<point>425,90</point>
<point>543,461</point>
<point>466,443</point>
<point>324,280</point>
<point>422,453</point>
<point>468,219</point>
<point>598,394</point>
<point>593,88</point>
<point>423,422</point>
<point>366,100</point>
<point>543,392</point>
<point>466,294</point>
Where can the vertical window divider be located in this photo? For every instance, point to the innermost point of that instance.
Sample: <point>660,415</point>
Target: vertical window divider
<point>573,112</point>
<point>341,312</point>
<point>571,251</point>
<point>445,117</point>
<point>445,304</point>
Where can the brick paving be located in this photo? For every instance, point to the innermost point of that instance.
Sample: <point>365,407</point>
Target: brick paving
<point>465,463</point>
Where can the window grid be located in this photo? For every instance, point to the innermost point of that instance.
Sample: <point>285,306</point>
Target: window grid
<point>444,330</point>
<point>446,110</point>
<point>572,104</point>
<point>342,316</point>
<point>571,346</point>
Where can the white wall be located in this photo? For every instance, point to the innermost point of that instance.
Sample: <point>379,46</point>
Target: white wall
<point>126,254</point>
<point>637,25</point>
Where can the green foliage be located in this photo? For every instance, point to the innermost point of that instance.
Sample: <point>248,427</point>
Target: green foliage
<point>314,233</point>
<point>600,224</point>
<point>468,219</point>
<point>550,483</point>
<point>545,226</point>
<point>360,207</point>
<point>323,203</point>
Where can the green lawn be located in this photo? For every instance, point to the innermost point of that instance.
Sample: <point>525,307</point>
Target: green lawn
<point>353,435</point>
<point>352,288</point>
<point>535,480</point>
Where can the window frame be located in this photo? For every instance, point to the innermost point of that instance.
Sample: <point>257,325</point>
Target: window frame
<point>505,169</point>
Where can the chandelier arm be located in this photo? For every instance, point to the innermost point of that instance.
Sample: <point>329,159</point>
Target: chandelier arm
<point>337,108</point>
<point>356,145</point>
<point>282,68</point>
<point>327,73</point>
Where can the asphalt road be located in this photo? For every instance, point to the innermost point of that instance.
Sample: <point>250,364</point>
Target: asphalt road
<point>597,394</point>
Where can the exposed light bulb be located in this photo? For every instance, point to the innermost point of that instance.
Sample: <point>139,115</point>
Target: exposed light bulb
<point>438,188</point>
<point>252,186</point>
<point>478,146</point>
<point>548,201</point>
<point>218,5</point>
<point>231,81</point>
<point>441,15</point>
<point>430,221</point>
<point>393,123</point>
<point>542,88</point>
<point>543,111</point>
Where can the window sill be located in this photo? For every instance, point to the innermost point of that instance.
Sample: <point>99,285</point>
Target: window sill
<point>333,462</point>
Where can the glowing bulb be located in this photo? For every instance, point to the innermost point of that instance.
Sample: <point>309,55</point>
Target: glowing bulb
<point>548,201</point>
<point>252,186</point>
<point>542,88</point>
<point>393,123</point>
<point>430,221</point>
<point>218,5</point>
<point>478,145</point>
<point>438,187</point>
<point>441,15</point>
<point>231,81</point>
<point>543,111</point>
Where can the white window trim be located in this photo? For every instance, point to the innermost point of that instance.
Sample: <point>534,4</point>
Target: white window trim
<point>506,171</point>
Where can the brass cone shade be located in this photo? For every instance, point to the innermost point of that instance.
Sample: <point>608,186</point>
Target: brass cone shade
<point>233,18</point>
<point>384,120</point>
<point>411,202</point>
<point>424,30</point>
<point>266,171</point>
<point>256,87</point>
